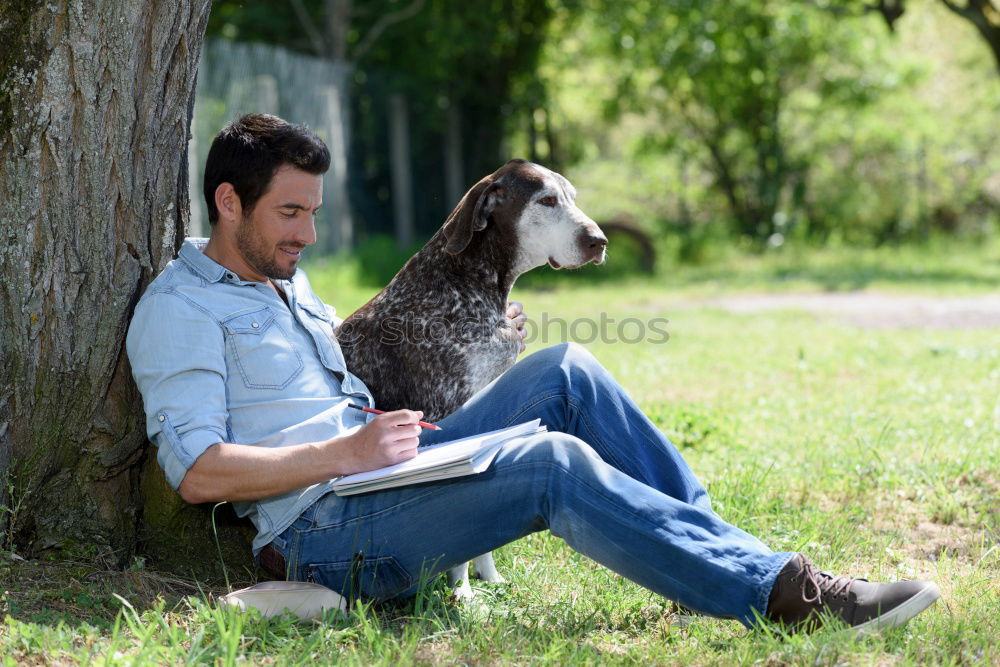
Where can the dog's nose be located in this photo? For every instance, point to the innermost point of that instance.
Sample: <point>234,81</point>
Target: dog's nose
<point>593,246</point>
<point>595,242</point>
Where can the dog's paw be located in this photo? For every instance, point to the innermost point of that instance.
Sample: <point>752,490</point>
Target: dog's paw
<point>464,593</point>
<point>493,577</point>
<point>484,569</point>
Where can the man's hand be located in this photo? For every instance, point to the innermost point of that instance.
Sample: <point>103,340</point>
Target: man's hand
<point>515,313</point>
<point>387,439</point>
<point>228,471</point>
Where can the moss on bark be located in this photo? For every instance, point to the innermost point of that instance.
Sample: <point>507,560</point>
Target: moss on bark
<point>19,58</point>
<point>178,538</point>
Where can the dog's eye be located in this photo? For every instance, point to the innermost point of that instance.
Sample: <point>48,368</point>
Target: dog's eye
<point>548,201</point>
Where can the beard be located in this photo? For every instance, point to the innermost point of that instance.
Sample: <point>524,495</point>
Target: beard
<point>256,252</point>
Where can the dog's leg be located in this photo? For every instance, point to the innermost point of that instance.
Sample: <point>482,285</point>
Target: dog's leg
<point>459,576</point>
<point>483,568</point>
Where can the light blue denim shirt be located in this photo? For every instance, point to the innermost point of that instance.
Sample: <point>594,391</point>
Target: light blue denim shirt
<point>219,359</point>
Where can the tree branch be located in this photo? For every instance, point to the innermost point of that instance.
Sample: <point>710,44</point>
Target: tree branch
<point>315,38</point>
<point>382,24</point>
<point>890,10</point>
<point>723,175</point>
<point>985,15</point>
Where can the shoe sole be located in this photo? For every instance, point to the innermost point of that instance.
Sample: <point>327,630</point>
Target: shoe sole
<point>903,612</point>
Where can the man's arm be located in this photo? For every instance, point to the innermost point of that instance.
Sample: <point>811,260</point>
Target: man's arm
<point>181,371</point>
<point>227,471</point>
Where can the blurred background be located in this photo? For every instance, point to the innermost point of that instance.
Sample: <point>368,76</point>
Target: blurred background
<point>691,129</point>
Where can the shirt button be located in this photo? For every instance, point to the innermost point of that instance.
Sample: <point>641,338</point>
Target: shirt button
<point>162,418</point>
<point>229,275</point>
<point>255,325</point>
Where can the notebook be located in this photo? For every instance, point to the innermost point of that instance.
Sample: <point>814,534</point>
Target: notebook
<point>455,458</point>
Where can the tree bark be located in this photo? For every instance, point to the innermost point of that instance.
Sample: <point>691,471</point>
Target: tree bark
<point>95,107</point>
<point>985,15</point>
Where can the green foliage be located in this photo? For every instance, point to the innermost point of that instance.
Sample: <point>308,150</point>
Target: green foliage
<point>776,120</point>
<point>766,122</point>
<point>731,74</point>
<point>456,62</point>
<point>379,259</point>
<point>259,21</point>
<point>451,59</point>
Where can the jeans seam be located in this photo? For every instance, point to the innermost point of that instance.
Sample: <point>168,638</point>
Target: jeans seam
<point>597,491</point>
<point>292,557</point>
<point>530,406</point>
<point>606,451</point>
<point>594,490</point>
<point>575,405</point>
<point>679,586</point>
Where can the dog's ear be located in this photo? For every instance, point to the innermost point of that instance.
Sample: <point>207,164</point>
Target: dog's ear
<point>471,214</point>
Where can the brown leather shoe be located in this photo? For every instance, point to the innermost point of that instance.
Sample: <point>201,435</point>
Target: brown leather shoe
<point>803,595</point>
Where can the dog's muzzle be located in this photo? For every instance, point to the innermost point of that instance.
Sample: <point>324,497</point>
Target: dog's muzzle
<point>594,246</point>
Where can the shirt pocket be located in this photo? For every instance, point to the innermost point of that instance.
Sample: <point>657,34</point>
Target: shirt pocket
<point>319,315</point>
<point>320,327</point>
<point>262,350</point>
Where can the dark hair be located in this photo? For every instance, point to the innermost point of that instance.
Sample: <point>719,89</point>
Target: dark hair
<point>248,152</point>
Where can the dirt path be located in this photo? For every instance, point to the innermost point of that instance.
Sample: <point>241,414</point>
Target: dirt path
<point>876,310</point>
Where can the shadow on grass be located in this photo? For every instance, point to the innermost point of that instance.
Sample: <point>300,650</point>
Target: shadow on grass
<point>49,593</point>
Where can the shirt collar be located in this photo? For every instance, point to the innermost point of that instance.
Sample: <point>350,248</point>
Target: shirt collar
<point>196,260</point>
<point>192,254</point>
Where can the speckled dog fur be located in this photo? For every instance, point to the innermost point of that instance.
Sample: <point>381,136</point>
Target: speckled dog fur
<point>438,332</point>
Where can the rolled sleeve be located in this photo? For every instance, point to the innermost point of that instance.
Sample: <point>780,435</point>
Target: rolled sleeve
<point>177,353</point>
<point>176,455</point>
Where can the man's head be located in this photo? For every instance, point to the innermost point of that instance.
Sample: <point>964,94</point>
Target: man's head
<point>263,186</point>
<point>248,152</point>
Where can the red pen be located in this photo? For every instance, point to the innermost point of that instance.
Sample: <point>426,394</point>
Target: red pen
<point>373,411</point>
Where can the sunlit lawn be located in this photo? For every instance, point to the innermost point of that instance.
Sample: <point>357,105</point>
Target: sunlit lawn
<point>874,451</point>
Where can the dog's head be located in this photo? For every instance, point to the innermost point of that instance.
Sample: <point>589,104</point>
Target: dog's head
<point>533,210</point>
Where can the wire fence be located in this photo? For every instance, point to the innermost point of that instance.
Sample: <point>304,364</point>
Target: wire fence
<point>238,78</point>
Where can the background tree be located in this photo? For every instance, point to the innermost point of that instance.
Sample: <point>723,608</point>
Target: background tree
<point>95,101</point>
<point>723,78</point>
<point>341,32</point>
<point>773,122</point>
<point>462,68</point>
<point>983,15</point>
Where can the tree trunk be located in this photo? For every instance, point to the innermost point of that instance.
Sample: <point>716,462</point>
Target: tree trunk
<point>95,106</point>
<point>340,237</point>
<point>454,172</point>
<point>402,172</point>
<point>985,16</point>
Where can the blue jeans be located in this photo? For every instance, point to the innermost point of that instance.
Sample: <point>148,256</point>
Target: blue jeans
<point>603,478</point>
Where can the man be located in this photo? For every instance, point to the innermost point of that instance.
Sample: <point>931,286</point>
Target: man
<point>246,397</point>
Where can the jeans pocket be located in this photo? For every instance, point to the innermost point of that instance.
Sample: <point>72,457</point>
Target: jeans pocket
<point>362,577</point>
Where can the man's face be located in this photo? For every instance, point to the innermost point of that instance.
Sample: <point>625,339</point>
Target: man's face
<point>271,238</point>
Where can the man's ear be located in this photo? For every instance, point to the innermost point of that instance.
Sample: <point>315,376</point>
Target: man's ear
<point>227,202</point>
<point>471,214</point>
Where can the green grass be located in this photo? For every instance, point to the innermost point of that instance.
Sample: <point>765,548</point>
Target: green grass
<point>874,451</point>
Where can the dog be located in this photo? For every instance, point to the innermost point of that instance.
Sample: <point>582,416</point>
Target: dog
<point>439,332</point>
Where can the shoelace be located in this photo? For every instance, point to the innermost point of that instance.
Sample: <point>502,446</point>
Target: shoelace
<point>823,583</point>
